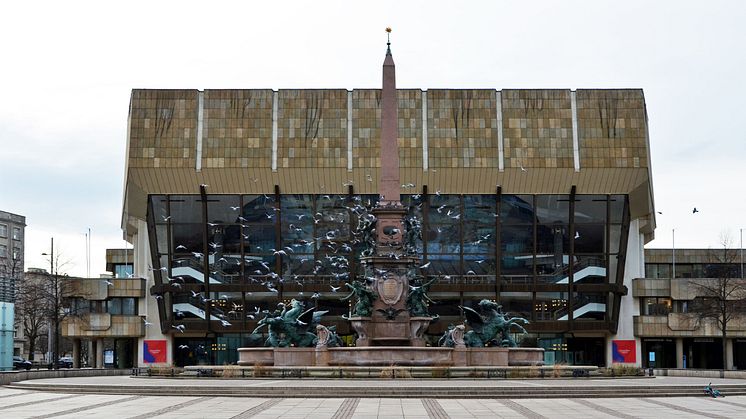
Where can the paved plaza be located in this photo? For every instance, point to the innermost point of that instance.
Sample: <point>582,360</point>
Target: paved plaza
<point>23,403</point>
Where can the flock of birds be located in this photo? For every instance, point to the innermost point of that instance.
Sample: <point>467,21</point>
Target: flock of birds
<point>333,243</point>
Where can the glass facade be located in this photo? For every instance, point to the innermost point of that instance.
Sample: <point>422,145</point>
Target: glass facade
<point>549,258</point>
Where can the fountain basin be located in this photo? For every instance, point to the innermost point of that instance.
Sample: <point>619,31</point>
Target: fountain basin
<point>391,355</point>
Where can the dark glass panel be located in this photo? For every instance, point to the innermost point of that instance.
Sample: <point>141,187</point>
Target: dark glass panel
<point>516,209</point>
<point>187,238</point>
<point>590,209</point>
<point>590,238</point>
<point>517,239</point>
<point>159,208</point>
<point>443,238</point>
<point>301,264</point>
<point>551,306</point>
<point>616,204</point>
<point>552,209</point>
<point>259,239</point>
<point>114,306</point>
<point>479,264</point>
<point>230,304</point>
<point>615,238</point>
<point>446,307</point>
<point>517,265</point>
<point>479,238</point>
<point>258,209</point>
<point>517,304</point>
<point>129,306</point>
<point>161,237</point>
<point>480,209</point>
<point>444,209</point>
<point>448,264</point>
<point>330,201</point>
<point>186,209</point>
<point>223,209</point>
<point>553,240</point>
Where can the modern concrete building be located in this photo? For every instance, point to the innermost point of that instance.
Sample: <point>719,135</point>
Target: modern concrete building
<point>239,200</point>
<point>103,318</point>
<point>676,285</point>
<point>12,233</point>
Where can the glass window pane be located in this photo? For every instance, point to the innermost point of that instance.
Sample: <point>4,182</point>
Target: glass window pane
<point>516,209</point>
<point>158,207</point>
<point>258,209</point>
<point>259,239</point>
<point>479,238</point>
<point>615,238</point>
<point>551,306</point>
<point>115,306</point>
<point>617,206</point>
<point>517,239</point>
<point>553,240</point>
<point>187,238</point>
<point>186,209</point>
<point>443,238</point>
<point>517,304</point>
<point>552,209</point>
<point>590,238</point>
<point>223,209</point>
<point>129,307</point>
<point>444,209</point>
<point>480,209</point>
<point>590,209</point>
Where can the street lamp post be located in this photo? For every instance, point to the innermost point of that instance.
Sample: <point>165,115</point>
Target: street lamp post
<point>53,349</point>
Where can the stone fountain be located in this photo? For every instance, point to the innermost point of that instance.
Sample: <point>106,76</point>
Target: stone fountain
<point>390,312</point>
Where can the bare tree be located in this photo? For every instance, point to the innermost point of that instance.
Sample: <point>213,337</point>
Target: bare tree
<point>33,314</point>
<point>721,297</point>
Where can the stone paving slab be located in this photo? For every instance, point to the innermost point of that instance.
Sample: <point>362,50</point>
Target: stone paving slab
<point>121,406</point>
<point>288,382</point>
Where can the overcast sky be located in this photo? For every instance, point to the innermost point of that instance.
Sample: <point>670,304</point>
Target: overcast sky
<point>68,68</point>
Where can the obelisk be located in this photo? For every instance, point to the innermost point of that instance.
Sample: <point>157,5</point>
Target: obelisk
<point>389,213</point>
<point>389,186</point>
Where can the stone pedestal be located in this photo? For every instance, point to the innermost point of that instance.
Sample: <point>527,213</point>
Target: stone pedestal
<point>361,326</point>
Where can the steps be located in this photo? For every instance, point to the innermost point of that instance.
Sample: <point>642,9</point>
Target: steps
<point>313,388</point>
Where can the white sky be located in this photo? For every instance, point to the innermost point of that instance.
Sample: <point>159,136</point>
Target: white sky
<point>67,69</point>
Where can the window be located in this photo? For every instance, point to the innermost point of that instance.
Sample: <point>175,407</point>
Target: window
<point>122,306</point>
<point>16,253</point>
<point>16,233</point>
<point>656,306</point>
<point>3,230</point>
<point>122,271</point>
<point>3,251</point>
<point>79,306</point>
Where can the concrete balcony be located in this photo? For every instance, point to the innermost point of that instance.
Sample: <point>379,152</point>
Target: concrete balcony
<point>103,325</point>
<point>99,289</point>
<point>646,287</point>
<point>679,288</point>
<point>685,325</point>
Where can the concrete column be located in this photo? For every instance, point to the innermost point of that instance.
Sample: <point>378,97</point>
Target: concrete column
<point>679,353</point>
<point>729,354</point>
<point>76,353</point>
<point>99,353</point>
<point>91,351</point>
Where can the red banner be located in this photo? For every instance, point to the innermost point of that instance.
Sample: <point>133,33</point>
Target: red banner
<point>624,351</point>
<point>154,351</point>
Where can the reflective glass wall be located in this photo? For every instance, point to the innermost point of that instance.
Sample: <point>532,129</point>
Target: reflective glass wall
<point>552,259</point>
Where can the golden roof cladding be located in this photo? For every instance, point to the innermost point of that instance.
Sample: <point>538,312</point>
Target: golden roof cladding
<point>462,142</point>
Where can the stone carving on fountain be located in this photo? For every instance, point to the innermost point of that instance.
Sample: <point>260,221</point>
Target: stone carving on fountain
<point>453,337</point>
<point>490,326</point>
<point>292,327</point>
